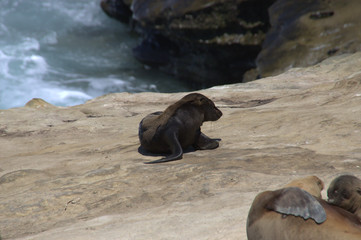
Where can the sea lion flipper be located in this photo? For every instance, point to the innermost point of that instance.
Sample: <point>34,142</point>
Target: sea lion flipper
<point>177,152</point>
<point>162,160</point>
<point>204,142</point>
<point>297,202</point>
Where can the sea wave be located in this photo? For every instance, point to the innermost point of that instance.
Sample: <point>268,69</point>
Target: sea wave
<point>67,52</point>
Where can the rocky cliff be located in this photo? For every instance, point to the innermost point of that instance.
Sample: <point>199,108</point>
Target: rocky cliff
<point>212,42</point>
<point>75,172</point>
<point>304,33</point>
<point>202,42</point>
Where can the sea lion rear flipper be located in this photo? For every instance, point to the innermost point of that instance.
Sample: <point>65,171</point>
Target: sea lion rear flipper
<point>177,152</point>
<point>297,202</point>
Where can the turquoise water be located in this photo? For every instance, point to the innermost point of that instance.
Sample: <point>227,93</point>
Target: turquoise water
<point>67,52</point>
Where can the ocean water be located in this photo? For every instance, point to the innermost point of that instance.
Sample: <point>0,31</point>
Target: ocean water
<point>67,52</point>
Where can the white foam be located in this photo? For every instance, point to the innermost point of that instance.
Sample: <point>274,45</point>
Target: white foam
<point>66,94</point>
<point>66,53</point>
<point>3,30</point>
<point>63,97</point>
<point>77,11</point>
<point>4,66</point>
<point>35,65</point>
<point>21,48</point>
<point>101,84</point>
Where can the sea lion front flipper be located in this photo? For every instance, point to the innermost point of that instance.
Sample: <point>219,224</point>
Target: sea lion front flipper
<point>177,152</point>
<point>297,202</point>
<point>204,142</point>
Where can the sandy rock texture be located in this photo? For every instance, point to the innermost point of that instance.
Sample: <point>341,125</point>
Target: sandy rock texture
<point>75,172</point>
<point>304,33</point>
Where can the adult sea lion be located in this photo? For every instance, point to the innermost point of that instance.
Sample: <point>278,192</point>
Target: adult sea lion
<point>293,213</point>
<point>178,127</point>
<point>345,192</point>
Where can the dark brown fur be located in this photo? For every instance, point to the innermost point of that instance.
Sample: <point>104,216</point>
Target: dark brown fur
<point>291,213</point>
<point>345,192</point>
<point>178,127</point>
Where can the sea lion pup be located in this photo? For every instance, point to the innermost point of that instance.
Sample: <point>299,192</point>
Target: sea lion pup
<point>293,213</point>
<point>345,192</point>
<point>178,127</point>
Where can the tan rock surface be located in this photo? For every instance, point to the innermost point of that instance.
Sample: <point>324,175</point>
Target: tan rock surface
<point>75,172</point>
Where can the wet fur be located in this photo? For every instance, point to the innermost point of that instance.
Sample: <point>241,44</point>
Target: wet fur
<point>178,127</point>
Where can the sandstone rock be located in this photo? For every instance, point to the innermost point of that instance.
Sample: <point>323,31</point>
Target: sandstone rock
<point>304,33</point>
<point>75,172</point>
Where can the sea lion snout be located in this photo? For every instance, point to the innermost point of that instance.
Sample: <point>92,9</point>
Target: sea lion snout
<point>334,198</point>
<point>214,114</point>
<point>219,113</point>
<point>206,106</point>
<point>211,112</point>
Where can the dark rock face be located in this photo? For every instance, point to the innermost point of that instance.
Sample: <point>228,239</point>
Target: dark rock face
<point>117,9</point>
<point>304,33</point>
<point>202,42</point>
<point>208,43</point>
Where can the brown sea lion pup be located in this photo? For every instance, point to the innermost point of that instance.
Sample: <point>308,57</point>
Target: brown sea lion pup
<point>293,213</point>
<point>178,127</point>
<point>345,192</point>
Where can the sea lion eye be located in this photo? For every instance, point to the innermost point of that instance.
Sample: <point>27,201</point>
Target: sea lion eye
<point>345,195</point>
<point>332,194</point>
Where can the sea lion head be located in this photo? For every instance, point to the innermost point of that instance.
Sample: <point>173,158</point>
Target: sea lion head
<point>311,184</point>
<point>345,192</point>
<point>205,105</point>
